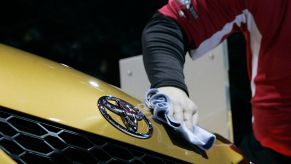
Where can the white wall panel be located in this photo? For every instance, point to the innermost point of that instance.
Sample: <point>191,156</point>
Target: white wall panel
<point>207,81</point>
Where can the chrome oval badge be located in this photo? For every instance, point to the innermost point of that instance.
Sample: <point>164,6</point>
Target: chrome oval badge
<point>130,116</point>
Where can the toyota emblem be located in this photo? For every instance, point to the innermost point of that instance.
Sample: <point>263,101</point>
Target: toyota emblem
<point>130,116</point>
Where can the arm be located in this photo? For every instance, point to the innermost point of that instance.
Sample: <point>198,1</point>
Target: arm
<point>164,52</point>
<point>164,49</point>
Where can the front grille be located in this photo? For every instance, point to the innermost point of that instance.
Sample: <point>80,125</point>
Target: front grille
<point>28,139</point>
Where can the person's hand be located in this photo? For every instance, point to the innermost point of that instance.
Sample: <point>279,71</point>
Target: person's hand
<point>183,109</point>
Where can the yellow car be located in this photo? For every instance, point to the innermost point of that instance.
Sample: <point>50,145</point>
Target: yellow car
<point>52,113</point>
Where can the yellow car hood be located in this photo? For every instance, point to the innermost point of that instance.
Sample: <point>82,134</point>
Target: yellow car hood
<point>56,92</point>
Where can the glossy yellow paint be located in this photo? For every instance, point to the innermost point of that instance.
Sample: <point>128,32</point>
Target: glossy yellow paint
<point>56,92</point>
<point>5,159</point>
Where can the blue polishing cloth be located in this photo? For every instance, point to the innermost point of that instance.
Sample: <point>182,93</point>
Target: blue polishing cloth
<point>161,106</point>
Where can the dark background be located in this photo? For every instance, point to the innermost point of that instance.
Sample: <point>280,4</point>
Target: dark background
<point>92,35</point>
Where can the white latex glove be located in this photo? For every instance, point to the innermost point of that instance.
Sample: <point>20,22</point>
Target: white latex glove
<point>183,109</point>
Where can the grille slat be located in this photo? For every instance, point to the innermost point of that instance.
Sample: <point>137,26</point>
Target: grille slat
<point>7,129</point>
<point>27,126</point>
<point>28,139</point>
<point>11,147</point>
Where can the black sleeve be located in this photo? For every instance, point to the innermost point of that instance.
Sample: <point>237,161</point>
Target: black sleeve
<point>164,50</point>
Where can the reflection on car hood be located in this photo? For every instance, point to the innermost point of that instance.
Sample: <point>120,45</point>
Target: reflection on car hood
<point>56,92</point>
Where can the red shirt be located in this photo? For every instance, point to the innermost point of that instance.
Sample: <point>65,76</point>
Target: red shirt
<point>266,25</point>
